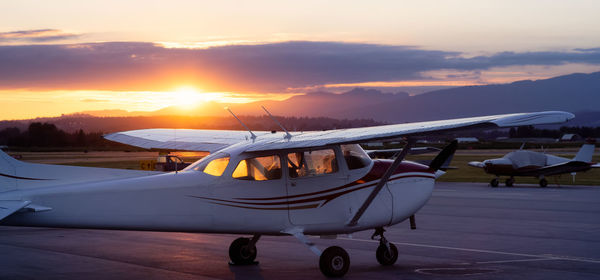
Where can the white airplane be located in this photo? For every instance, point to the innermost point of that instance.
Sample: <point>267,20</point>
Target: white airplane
<point>255,183</point>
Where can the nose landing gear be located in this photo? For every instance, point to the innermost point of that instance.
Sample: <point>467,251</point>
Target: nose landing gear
<point>386,253</point>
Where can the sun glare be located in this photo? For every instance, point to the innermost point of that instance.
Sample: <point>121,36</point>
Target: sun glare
<point>187,97</point>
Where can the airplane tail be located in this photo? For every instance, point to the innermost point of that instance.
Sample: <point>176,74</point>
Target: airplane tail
<point>585,153</point>
<point>15,174</point>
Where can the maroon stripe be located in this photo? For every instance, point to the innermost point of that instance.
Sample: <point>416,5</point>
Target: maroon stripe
<point>325,198</point>
<point>376,172</point>
<point>271,208</point>
<point>22,178</point>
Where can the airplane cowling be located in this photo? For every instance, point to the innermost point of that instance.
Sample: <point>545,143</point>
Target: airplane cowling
<point>410,187</point>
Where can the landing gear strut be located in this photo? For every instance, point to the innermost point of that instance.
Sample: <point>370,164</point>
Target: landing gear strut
<point>386,253</point>
<point>242,251</point>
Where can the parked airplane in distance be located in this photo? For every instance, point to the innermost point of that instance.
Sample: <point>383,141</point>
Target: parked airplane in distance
<point>535,164</point>
<point>253,183</point>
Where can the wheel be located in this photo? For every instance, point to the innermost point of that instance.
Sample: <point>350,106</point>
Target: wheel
<point>494,183</point>
<point>509,182</point>
<point>240,254</point>
<point>334,262</point>
<point>385,257</point>
<point>543,183</point>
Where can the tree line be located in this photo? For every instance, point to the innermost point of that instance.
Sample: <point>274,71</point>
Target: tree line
<point>40,134</point>
<point>532,132</point>
<point>48,135</point>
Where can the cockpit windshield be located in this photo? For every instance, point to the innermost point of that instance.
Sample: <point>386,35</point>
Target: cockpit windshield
<point>212,165</point>
<point>355,156</point>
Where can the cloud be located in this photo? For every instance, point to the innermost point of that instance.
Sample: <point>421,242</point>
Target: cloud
<point>270,67</point>
<point>35,36</point>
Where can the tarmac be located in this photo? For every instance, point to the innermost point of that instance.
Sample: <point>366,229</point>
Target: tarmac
<point>466,231</point>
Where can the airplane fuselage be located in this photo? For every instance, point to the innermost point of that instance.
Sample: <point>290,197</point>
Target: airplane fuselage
<point>194,201</point>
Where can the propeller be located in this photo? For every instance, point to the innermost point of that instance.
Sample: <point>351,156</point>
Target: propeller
<point>443,156</point>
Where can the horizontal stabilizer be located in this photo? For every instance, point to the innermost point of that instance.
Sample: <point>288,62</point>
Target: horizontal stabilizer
<point>8,207</point>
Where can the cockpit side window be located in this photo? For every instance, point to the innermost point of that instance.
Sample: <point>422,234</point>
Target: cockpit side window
<point>212,165</point>
<point>258,169</point>
<point>355,156</point>
<point>312,163</point>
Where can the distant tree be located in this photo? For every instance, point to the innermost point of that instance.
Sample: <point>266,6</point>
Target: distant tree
<point>80,139</point>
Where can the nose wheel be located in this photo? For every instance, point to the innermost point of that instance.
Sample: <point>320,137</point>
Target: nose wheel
<point>387,253</point>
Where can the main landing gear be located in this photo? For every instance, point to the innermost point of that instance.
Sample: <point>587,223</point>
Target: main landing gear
<point>242,251</point>
<point>333,261</point>
<point>509,182</point>
<point>494,183</point>
<point>543,182</point>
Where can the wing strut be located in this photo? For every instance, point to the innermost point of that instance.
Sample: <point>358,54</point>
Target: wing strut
<point>382,182</point>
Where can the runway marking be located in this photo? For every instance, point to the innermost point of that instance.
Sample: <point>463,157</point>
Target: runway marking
<point>521,260</point>
<point>539,257</point>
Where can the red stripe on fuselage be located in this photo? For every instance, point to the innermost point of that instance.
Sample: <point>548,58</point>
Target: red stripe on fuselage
<point>376,172</point>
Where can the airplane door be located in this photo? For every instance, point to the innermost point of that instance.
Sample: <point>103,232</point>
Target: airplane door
<point>314,186</point>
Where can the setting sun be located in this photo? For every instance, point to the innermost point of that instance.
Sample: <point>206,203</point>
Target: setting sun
<point>187,97</point>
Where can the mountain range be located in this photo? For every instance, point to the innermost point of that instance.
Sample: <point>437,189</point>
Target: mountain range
<point>578,93</point>
<point>574,93</point>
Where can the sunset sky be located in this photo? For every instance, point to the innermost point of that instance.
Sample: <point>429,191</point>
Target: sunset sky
<point>59,57</point>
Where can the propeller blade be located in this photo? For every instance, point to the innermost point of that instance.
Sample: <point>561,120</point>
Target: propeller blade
<point>443,156</point>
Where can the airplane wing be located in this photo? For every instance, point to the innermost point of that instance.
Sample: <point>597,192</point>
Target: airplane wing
<point>213,140</point>
<point>182,139</point>
<point>561,168</point>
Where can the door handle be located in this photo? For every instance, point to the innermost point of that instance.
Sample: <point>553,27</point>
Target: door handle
<point>293,184</point>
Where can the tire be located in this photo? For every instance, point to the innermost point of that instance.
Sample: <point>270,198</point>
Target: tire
<point>240,254</point>
<point>543,183</point>
<point>384,257</point>
<point>334,262</point>
<point>509,182</point>
<point>494,183</point>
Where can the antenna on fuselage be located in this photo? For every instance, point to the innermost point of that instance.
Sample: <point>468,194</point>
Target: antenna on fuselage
<point>287,134</point>
<point>242,123</point>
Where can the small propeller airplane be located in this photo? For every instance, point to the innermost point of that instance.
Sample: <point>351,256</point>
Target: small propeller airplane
<point>318,183</point>
<point>535,164</point>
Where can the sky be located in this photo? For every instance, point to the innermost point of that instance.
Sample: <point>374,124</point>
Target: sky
<point>60,57</point>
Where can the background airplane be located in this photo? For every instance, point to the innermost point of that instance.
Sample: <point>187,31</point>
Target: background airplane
<point>535,164</point>
<point>256,183</point>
